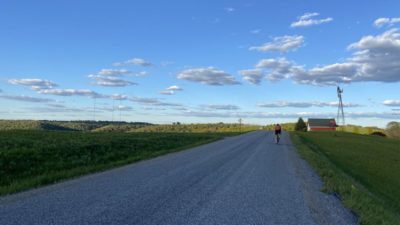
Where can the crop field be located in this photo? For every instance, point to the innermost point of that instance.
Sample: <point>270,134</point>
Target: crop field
<point>31,158</point>
<point>199,128</point>
<point>364,170</point>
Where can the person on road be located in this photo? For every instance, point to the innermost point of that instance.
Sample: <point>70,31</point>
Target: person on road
<point>278,131</point>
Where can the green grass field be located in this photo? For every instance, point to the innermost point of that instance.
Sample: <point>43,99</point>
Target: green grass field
<point>33,158</point>
<point>364,170</point>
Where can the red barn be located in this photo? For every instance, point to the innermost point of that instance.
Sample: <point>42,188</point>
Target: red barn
<point>321,125</point>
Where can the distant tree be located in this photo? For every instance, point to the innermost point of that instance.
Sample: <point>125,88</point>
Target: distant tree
<point>393,129</point>
<point>300,125</point>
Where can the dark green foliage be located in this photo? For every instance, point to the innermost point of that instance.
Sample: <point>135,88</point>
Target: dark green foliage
<point>362,169</point>
<point>33,158</point>
<point>300,125</point>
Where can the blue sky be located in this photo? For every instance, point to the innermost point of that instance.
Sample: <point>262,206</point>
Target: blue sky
<point>199,61</point>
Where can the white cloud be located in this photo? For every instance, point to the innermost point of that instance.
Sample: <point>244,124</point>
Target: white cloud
<point>154,102</point>
<point>124,108</point>
<point>52,109</point>
<point>141,74</point>
<point>34,84</point>
<point>380,22</point>
<point>392,102</point>
<point>110,81</point>
<point>221,107</point>
<point>170,104</point>
<point>284,104</point>
<point>143,100</point>
<point>72,92</point>
<point>274,63</point>
<point>174,88</point>
<point>118,107</point>
<point>166,92</point>
<point>171,90</point>
<point>281,44</point>
<point>166,63</point>
<point>277,69</point>
<point>255,31</point>
<point>308,19</point>
<point>253,76</point>
<point>230,9</point>
<point>119,97</point>
<point>25,98</point>
<point>119,72</point>
<point>56,105</point>
<point>134,61</point>
<point>208,75</point>
<point>114,72</point>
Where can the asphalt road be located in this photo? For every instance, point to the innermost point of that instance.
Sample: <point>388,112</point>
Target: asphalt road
<point>241,180</point>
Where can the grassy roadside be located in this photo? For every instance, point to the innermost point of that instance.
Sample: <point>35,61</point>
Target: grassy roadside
<point>30,159</point>
<point>363,170</point>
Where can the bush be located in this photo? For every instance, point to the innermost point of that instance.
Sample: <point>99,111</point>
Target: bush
<point>300,125</point>
<point>377,133</point>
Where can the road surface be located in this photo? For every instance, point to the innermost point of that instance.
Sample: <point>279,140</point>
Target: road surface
<point>241,180</point>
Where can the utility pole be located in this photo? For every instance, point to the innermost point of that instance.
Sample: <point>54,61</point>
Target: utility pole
<point>240,125</point>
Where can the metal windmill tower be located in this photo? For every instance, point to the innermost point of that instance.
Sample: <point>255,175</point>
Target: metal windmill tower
<point>340,113</point>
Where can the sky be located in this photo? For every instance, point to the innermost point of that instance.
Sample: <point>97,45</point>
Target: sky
<point>200,61</point>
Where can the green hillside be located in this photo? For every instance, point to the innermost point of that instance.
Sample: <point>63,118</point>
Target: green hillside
<point>363,169</point>
<point>87,126</point>
<point>31,125</point>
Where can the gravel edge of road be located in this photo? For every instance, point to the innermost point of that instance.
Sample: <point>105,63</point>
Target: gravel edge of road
<point>326,209</point>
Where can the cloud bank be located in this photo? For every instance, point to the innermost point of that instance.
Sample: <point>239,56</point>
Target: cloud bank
<point>375,58</point>
<point>285,104</point>
<point>34,84</point>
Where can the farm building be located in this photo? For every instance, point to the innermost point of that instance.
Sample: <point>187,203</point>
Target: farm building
<point>321,125</point>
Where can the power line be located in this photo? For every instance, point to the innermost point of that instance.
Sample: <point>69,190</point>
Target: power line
<point>119,107</point>
<point>94,109</point>
<point>113,110</point>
